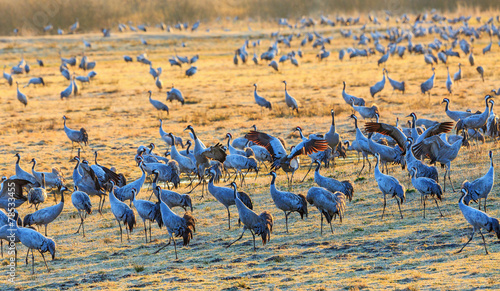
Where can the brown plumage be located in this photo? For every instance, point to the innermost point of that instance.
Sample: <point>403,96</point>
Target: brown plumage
<point>187,235</point>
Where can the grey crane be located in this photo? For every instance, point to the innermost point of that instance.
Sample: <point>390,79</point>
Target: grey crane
<point>68,91</point>
<point>154,72</point>
<point>257,224</point>
<point>426,187</point>
<point>177,226</point>
<point>492,125</point>
<point>172,198</point>
<point>186,165</point>
<point>481,187</point>
<point>240,163</point>
<point>480,70</point>
<point>387,154</point>
<point>471,58</point>
<point>477,219</point>
<point>125,192</point>
<point>38,195</point>
<point>52,179</point>
<point>362,140</point>
<point>328,204</point>
<point>396,85</point>
<point>122,212</point>
<point>46,215</point>
<point>175,94</point>
<point>383,59</point>
<point>76,89</point>
<point>78,136</point>
<point>389,185</point>
<point>332,137</point>
<point>487,48</point>
<point>167,172</point>
<point>22,174</point>
<point>159,83</point>
<point>167,139</point>
<point>74,26</point>
<point>290,101</point>
<point>426,86</point>
<point>261,101</point>
<point>7,76</point>
<point>288,202</point>
<point>476,121</point>
<point>364,111</point>
<point>149,211</point>
<point>128,59</point>
<point>87,182</point>
<point>449,82</point>
<point>273,64</point>
<point>104,175</point>
<point>232,150</point>
<point>333,185</point>
<point>21,96</point>
<point>157,104</point>
<point>497,92</point>
<point>422,169</point>
<point>194,59</point>
<point>35,81</point>
<point>348,98</point>
<point>225,196</point>
<point>81,201</point>
<point>379,86</point>
<point>34,240</point>
<point>8,224</point>
<point>458,75</point>
<point>455,115</point>
<point>278,153</point>
<point>191,71</point>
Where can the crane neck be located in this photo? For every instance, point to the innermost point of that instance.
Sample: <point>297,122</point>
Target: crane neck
<point>333,118</point>
<point>95,158</point>
<point>77,164</point>
<point>194,134</point>
<point>343,89</point>
<point>356,123</point>
<point>301,135</point>
<point>34,165</point>
<point>173,141</point>
<point>187,149</point>
<point>273,180</point>
<point>62,196</point>
<point>317,168</point>
<point>18,159</point>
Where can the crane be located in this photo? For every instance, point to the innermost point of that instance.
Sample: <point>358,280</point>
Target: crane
<point>389,185</point>
<point>160,106</point>
<point>328,204</point>
<point>261,101</point>
<point>46,215</point>
<point>348,98</point>
<point>122,212</point>
<point>21,96</point>
<point>34,240</point>
<point>290,101</point>
<point>481,187</point>
<point>478,220</point>
<point>257,224</point>
<point>81,201</point>
<point>379,86</point>
<point>149,211</point>
<point>78,136</point>
<point>426,187</point>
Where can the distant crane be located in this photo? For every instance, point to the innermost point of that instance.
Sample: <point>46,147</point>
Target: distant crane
<point>426,86</point>
<point>389,185</point>
<point>158,104</point>
<point>21,96</point>
<point>379,86</point>
<point>290,101</point>
<point>261,101</point>
<point>78,136</point>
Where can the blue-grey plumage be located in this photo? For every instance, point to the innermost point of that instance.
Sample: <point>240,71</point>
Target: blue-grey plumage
<point>477,219</point>
<point>328,204</point>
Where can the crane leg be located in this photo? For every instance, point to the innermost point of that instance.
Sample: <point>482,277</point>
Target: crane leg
<point>45,230</point>
<point>167,244</point>
<point>253,236</point>
<point>444,185</point>
<point>81,221</point>
<point>150,231</point>
<point>175,247</point>
<point>484,204</point>
<point>27,254</point>
<point>484,242</point>
<point>399,206</point>
<point>119,224</point>
<point>32,263</point>
<point>228,218</point>
<point>472,236</point>
<point>321,231</point>
<point>310,167</point>
<point>331,227</point>
<point>244,229</point>
<point>383,211</point>
<point>48,270</point>
<point>286,220</point>
<point>146,232</point>
<point>449,179</point>
<point>438,207</point>
<point>424,207</point>
<point>1,246</point>
<point>83,227</point>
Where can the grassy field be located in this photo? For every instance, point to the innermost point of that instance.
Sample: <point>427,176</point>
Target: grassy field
<point>364,252</point>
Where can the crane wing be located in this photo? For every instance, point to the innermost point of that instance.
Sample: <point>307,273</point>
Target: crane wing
<point>216,152</point>
<point>308,147</point>
<point>387,129</point>
<point>272,144</point>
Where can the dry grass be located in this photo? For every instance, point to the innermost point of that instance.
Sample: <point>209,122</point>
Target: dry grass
<point>364,252</point>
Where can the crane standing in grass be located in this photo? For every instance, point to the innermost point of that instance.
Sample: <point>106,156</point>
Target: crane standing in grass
<point>478,220</point>
<point>389,185</point>
<point>257,224</point>
<point>122,212</point>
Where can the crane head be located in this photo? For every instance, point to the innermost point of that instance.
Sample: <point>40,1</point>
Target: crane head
<point>446,100</point>
<point>298,128</point>
<point>229,135</point>
<point>487,97</point>
<point>255,85</point>
<point>33,160</point>
<point>17,155</point>
<point>151,145</point>
<point>189,127</point>
<point>353,116</point>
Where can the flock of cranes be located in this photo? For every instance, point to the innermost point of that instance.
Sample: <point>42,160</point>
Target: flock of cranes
<point>208,164</point>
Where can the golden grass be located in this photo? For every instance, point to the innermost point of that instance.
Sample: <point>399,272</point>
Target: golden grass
<point>364,252</point>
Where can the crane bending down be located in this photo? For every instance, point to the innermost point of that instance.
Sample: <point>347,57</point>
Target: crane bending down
<point>257,224</point>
